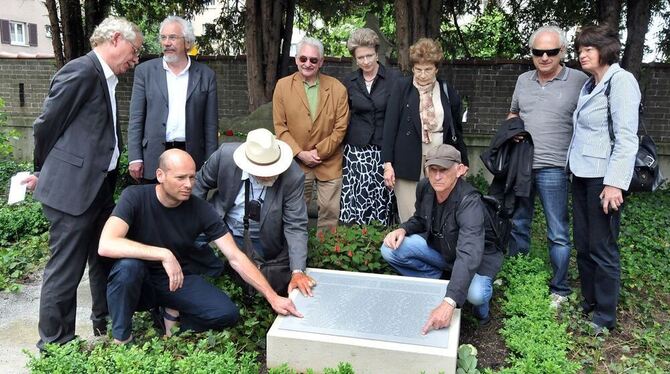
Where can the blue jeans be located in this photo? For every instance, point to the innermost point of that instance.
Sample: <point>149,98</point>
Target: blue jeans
<point>414,258</point>
<point>133,286</point>
<point>551,184</point>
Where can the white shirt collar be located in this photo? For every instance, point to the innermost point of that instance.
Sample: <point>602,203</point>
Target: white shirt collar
<point>105,68</point>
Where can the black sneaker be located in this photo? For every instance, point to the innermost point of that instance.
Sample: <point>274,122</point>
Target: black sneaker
<point>484,321</point>
<point>100,327</point>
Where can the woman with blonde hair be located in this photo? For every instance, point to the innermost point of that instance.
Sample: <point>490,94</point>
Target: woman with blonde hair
<point>423,112</point>
<point>365,198</point>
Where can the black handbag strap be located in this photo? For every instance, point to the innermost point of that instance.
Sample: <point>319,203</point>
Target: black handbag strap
<point>610,126</point>
<point>445,87</point>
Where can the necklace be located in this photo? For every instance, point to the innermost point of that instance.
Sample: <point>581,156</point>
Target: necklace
<point>369,80</point>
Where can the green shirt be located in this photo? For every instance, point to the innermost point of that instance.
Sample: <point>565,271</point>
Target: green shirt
<point>312,93</point>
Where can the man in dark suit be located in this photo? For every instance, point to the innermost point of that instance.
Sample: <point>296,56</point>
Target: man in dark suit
<point>278,228</point>
<point>173,104</point>
<point>77,147</point>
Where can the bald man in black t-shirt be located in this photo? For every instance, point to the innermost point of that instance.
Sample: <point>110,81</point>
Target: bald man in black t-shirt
<point>151,230</point>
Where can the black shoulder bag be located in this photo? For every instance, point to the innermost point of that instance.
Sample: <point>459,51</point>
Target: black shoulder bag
<point>647,176</point>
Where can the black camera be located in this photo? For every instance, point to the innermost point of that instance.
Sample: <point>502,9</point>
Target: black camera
<point>254,210</point>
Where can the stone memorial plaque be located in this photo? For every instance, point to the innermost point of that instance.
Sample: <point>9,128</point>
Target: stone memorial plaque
<point>369,320</point>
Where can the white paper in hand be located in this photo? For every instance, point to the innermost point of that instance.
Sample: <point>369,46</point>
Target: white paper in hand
<point>17,190</point>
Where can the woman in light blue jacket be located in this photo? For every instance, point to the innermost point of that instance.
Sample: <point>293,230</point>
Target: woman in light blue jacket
<point>602,169</point>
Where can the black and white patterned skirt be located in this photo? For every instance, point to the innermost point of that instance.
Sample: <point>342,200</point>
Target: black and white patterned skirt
<point>365,198</point>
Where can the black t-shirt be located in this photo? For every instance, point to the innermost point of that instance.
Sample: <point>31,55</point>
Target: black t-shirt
<point>176,228</point>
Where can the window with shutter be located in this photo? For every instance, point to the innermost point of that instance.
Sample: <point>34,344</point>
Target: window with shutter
<point>32,35</point>
<point>4,31</point>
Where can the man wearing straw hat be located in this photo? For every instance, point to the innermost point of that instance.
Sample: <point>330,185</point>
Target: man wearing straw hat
<point>262,173</point>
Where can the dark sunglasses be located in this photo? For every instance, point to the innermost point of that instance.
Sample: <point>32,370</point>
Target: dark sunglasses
<point>304,59</point>
<point>549,52</point>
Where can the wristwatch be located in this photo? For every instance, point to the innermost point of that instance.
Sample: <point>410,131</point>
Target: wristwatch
<point>297,271</point>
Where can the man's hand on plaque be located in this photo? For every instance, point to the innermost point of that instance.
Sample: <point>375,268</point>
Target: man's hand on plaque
<point>284,306</point>
<point>302,282</point>
<point>439,318</point>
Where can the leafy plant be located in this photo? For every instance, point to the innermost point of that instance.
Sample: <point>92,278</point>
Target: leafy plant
<point>20,221</point>
<point>6,147</point>
<point>20,259</point>
<point>539,342</point>
<point>354,248</point>
<point>467,359</point>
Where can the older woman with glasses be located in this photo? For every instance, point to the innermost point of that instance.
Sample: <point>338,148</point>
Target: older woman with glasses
<point>422,113</point>
<point>365,198</point>
<point>602,168</point>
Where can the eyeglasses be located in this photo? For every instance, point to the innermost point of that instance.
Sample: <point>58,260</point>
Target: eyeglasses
<point>428,71</point>
<point>136,51</point>
<point>366,57</point>
<point>549,52</point>
<point>313,60</point>
<point>171,37</point>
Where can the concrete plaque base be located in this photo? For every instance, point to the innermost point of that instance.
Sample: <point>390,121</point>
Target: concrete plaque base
<point>372,321</point>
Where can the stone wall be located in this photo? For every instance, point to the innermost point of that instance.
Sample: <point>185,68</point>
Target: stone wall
<point>485,86</point>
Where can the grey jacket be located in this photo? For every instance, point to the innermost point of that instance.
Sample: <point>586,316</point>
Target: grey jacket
<point>149,111</point>
<point>590,154</point>
<point>74,137</point>
<point>283,214</point>
<point>463,228</point>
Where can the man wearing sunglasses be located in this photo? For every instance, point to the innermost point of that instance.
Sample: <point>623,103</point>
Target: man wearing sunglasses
<point>545,99</point>
<point>173,105</point>
<point>310,112</point>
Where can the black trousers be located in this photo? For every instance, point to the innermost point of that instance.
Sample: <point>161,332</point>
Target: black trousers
<point>73,241</point>
<point>595,236</point>
<point>133,286</point>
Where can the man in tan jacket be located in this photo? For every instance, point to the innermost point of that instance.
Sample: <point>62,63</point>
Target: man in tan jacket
<point>310,112</point>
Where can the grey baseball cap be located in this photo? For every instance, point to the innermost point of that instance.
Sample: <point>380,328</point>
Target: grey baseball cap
<point>444,155</point>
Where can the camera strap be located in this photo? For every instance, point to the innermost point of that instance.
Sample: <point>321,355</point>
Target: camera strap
<point>248,248</point>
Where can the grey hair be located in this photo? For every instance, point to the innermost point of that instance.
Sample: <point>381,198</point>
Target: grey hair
<point>310,41</point>
<point>104,32</point>
<point>186,27</point>
<point>363,38</point>
<point>549,28</point>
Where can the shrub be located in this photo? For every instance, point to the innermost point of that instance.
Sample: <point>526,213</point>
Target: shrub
<point>20,221</point>
<point>22,258</point>
<point>354,248</point>
<point>539,343</point>
<point>154,356</point>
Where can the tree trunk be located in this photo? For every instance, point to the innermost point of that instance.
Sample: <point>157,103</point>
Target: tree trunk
<point>73,29</point>
<point>266,22</point>
<point>609,12</point>
<point>637,24</point>
<point>252,37</point>
<point>287,34</point>
<point>415,19</point>
<point>273,12</point>
<point>95,11</point>
<point>402,33</point>
<point>56,40</point>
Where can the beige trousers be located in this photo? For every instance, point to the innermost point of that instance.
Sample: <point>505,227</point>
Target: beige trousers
<point>405,189</point>
<point>328,199</point>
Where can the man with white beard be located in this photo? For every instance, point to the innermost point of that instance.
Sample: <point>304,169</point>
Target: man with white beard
<point>173,104</point>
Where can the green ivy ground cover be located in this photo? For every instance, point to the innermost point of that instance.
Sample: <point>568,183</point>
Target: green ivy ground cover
<point>539,339</point>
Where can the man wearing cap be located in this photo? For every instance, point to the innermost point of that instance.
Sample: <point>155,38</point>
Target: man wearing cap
<point>277,214</point>
<point>446,238</point>
<point>545,99</point>
<point>150,233</point>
